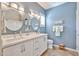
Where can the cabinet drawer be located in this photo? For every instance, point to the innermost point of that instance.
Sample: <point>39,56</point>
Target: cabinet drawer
<point>36,41</point>
<point>15,50</point>
<point>35,53</point>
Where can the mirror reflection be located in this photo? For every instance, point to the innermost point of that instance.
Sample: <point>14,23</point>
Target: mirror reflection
<point>35,24</point>
<point>13,18</point>
<point>16,20</point>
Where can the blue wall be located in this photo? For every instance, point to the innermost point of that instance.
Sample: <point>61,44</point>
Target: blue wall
<point>66,12</point>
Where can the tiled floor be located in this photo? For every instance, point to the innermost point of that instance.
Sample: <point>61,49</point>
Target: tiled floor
<point>59,52</point>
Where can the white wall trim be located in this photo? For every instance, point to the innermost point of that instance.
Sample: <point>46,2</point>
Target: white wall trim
<point>77,27</point>
<point>74,50</point>
<point>70,49</point>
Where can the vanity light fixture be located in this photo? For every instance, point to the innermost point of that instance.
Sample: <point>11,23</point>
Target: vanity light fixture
<point>21,9</point>
<point>14,5</point>
<point>30,15</point>
<point>38,17</point>
<point>31,12</point>
<point>34,14</point>
<point>3,6</point>
<point>6,3</point>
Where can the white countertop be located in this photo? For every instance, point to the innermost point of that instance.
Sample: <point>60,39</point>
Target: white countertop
<point>18,38</point>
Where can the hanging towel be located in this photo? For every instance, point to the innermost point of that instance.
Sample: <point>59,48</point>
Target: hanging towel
<point>57,32</point>
<point>61,28</point>
<point>54,28</point>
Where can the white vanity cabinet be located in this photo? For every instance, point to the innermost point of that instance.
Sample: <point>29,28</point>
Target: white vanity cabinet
<point>31,47</point>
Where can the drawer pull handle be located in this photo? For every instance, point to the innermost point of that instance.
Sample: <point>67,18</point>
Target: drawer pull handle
<point>36,48</point>
<point>36,41</point>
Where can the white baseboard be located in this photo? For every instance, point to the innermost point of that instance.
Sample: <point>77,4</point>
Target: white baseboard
<point>71,49</point>
<point>74,50</point>
<point>67,48</point>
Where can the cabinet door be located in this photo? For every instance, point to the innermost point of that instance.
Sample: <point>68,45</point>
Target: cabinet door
<point>36,47</point>
<point>16,50</point>
<point>45,42</point>
<point>29,48</point>
<point>43,45</point>
<point>40,45</point>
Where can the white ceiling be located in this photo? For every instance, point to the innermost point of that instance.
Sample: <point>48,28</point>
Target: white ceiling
<point>47,5</point>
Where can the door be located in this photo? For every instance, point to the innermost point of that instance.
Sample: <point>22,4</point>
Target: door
<point>77,27</point>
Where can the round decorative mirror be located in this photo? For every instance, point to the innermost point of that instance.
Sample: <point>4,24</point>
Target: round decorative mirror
<point>12,19</point>
<point>13,25</point>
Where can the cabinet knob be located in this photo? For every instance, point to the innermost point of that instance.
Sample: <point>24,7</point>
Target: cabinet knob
<point>24,49</point>
<point>36,41</point>
<point>44,39</point>
<point>36,48</point>
<point>21,50</point>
